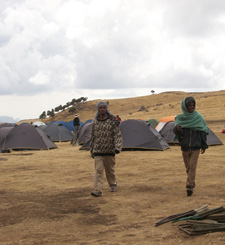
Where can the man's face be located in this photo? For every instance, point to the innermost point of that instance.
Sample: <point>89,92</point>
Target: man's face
<point>102,110</point>
<point>191,107</point>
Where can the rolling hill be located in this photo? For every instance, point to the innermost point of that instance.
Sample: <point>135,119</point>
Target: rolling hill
<point>209,104</point>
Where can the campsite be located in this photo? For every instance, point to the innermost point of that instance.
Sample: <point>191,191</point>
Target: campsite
<point>45,194</point>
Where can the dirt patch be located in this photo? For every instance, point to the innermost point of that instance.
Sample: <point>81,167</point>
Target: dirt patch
<point>3,159</point>
<point>19,206</point>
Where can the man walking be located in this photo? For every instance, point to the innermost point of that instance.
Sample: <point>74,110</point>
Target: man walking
<point>105,142</point>
<point>191,129</point>
<point>76,124</point>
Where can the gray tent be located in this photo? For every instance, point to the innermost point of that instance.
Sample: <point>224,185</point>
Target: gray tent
<point>138,134</point>
<point>57,132</point>
<point>3,133</point>
<point>7,125</point>
<point>84,133</point>
<point>168,134</point>
<point>24,136</point>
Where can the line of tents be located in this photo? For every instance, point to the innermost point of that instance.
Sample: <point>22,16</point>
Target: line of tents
<point>145,135</point>
<point>137,135</point>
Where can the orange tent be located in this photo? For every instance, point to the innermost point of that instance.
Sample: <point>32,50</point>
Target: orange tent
<point>163,121</point>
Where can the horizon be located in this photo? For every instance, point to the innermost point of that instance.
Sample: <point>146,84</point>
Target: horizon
<point>17,119</point>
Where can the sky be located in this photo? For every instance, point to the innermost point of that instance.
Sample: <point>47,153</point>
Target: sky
<point>56,50</point>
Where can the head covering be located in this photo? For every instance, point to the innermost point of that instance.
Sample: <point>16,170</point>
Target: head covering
<point>193,120</point>
<point>77,115</point>
<point>188,101</point>
<point>101,103</point>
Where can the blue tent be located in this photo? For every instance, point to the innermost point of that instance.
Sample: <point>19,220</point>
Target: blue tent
<point>70,124</point>
<point>65,124</point>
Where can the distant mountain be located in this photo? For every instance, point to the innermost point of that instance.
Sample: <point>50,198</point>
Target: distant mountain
<point>4,119</point>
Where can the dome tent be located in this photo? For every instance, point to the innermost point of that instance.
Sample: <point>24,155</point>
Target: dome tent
<point>38,123</point>
<point>84,133</point>
<point>57,132</point>
<point>25,136</point>
<point>138,134</point>
<point>170,137</point>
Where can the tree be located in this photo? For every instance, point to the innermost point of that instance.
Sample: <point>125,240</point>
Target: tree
<point>78,100</point>
<point>48,113</point>
<point>43,115</point>
<point>57,109</point>
<point>83,99</point>
<point>52,114</point>
<point>73,101</point>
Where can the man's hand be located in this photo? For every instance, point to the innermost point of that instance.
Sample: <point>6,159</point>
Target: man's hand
<point>202,151</point>
<point>179,127</point>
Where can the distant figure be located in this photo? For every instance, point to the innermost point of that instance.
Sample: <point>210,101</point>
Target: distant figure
<point>191,129</point>
<point>76,124</point>
<point>117,118</point>
<point>105,142</point>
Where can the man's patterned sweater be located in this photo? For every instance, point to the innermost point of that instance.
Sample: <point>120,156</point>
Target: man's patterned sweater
<point>106,137</point>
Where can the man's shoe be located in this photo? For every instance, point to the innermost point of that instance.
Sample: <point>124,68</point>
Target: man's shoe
<point>113,187</point>
<point>189,191</point>
<point>96,194</point>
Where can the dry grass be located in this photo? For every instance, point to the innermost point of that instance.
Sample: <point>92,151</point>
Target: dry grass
<point>45,195</point>
<point>155,106</point>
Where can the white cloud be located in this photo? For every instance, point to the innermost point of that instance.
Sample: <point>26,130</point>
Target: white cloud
<point>100,46</point>
<point>39,79</point>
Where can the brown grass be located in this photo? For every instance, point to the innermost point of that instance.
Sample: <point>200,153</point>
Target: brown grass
<point>156,106</point>
<point>45,195</point>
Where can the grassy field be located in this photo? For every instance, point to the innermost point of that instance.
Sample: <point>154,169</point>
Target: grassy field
<point>45,195</point>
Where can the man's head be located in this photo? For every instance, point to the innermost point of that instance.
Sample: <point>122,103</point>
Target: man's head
<point>102,108</point>
<point>190,104</point>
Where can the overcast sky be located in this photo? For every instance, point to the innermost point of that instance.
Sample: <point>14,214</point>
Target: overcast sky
<point>52,51</point>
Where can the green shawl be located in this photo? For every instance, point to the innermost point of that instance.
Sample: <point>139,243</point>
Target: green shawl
<point>192,120</point>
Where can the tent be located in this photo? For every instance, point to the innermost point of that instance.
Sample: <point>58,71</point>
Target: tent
<point>3,133</point>
<point>38,123</point>
<point>70,125</point>
<point>89,120</point>
<point>65,124</point>
<point>212,139</point>
<point>138,134</point>
<point>57,132</point>
<point>25,136</point>
<point>163,121</point>
<point>7,125</point>
<point>153,122</point>
<point>168,134</point>
<point>84,133</point>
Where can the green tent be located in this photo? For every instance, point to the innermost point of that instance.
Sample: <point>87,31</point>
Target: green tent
<point>153,122</point>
